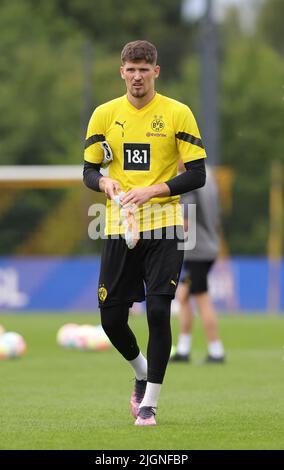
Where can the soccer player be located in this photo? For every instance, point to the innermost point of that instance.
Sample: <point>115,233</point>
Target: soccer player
<point>197,264</point>
<point>146,133</point>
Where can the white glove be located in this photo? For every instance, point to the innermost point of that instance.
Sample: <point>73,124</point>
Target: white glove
<point>117,198</point>
<point>127,216</point>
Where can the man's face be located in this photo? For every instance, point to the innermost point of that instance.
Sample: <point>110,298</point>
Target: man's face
<point>139,77</point>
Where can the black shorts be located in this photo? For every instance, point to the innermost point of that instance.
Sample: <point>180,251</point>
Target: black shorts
<point>153,265</point>
<point>195,274</point>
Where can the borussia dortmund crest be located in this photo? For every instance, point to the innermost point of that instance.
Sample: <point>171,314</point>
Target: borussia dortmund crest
<point>158,124</point>
<point>102,294</point>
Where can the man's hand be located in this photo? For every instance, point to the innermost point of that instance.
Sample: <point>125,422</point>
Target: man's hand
<point>109,186</point>
<point>137,196</point>
<point>140,196</point>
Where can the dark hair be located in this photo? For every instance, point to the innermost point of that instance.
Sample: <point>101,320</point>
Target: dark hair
<point>139,50</point>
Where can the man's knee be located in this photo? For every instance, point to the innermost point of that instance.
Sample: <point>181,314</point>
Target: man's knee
<point>158,310</point>
<point>113,317</point>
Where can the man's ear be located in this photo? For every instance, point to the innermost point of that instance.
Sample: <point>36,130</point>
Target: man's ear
<point>122,72</point>
<point>157,71</point>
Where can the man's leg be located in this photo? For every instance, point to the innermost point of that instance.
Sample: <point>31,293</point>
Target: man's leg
<point>114,321</point>
<point>210,324</point>
<point>162,261</point>
<point>186,318</point>
<point>158,352</point>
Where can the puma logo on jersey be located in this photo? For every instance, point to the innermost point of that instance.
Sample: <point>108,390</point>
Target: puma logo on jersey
<point>121,124</point>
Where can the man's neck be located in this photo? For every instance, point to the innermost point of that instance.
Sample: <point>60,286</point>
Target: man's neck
<point>139,103</point>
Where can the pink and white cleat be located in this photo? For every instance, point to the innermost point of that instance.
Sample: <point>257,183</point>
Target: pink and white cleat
<point>137,396</point>
<point>146,416</point>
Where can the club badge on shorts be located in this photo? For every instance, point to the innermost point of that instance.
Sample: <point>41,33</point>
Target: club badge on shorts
<point>102,293</point>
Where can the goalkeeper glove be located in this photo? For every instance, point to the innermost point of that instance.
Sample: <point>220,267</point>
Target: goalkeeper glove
<point>127,216</point>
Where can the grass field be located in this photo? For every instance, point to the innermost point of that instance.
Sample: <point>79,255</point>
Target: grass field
<point>65,399</point>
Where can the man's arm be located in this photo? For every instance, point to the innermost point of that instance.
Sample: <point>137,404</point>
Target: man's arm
<point>92,175</point>
<point>193,178</point>
<point>93,179</point>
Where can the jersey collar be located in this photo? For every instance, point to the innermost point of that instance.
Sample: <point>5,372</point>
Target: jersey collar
<point>146,107</point>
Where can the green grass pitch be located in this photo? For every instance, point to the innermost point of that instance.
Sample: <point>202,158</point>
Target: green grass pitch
<point>66,399</point>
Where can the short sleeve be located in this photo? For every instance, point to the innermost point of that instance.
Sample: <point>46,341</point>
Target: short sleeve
<point>188,140</point>
<point>93,151</point>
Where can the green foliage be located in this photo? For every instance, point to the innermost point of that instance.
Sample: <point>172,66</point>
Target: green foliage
<point>39,90</point>
<point>21,222</point>
<point>252,115</point>
<point>185,88</point>
<point>271,23</point>
<point>115,22</point>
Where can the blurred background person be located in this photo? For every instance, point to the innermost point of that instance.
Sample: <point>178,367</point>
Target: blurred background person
<point>197,265</point>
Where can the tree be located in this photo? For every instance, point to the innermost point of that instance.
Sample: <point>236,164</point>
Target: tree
<point>40,92</point>
<point>115,22</point>
<point>252,136</point>
<point>270,24</point>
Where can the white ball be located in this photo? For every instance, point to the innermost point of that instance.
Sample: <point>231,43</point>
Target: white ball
<point>11,345</point>
<point>97,340</point>
<point>66,335</point>
<point>84,332</point>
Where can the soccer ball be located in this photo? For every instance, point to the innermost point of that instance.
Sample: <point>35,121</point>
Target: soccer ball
<point>67,335</point>
<point>97,340</point>
<point>91,338</point>
<point>83,337</point>
<point>84,332</point>
<point>11,345</point>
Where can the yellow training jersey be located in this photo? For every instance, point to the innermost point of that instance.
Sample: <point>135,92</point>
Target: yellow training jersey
<point>146,145</point>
